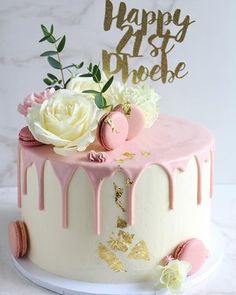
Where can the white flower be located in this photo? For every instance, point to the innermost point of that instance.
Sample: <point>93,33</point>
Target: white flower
<point>67,120</point>
<point>142,96</point>
<point>79,84</point>
<point>172,276</point>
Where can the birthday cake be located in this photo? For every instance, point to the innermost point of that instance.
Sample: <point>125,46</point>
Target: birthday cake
<point>109,190</point>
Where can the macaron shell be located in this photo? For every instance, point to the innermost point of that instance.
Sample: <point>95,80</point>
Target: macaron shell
<point>112,130</point>
<point>194,252</point>
<point>18,238</point>
<point>135,120</point>
<point>24,238</point>
<point>26,138</point>
<point>14,237</point>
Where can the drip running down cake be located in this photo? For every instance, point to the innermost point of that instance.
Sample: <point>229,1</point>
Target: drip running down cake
<point>109,190</point>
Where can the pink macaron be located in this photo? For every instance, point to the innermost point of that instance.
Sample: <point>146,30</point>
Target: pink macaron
<point>192,251</point>
<point>112,130</point>
<point>18,238</point>
<point>26,138</point>
<point>135,118</point>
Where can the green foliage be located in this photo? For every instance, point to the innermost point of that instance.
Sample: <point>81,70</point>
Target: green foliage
<point>55,62</point>
<point>93,71</point>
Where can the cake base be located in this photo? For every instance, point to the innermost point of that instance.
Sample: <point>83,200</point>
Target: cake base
<point>72,287</point>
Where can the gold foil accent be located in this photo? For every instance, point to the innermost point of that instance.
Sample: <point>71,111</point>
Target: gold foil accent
<point>120,161</point>
<point>110,258</point>
<point>111,124</point>
<point>145,153</point>
<point>128,182</point>
<point>126,236</point>
<point>121,223</point>
<point>126,106</point>
<point>118,244</point>
<point>118,194</point>
<point>139,251</point>
<point>129,155</point>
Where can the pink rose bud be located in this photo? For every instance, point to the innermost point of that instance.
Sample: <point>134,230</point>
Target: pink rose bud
<point>34,97</point>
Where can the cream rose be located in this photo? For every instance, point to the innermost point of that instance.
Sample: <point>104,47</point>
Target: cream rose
<point>79,84</point>
<point>67,120</point>
<point>172,276</point>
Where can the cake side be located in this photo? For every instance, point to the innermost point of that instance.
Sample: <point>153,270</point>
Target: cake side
<point>167,203</point>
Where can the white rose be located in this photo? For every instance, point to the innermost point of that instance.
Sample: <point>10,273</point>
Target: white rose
<point>67,120</point>
<point>172,276</point>
<point>79,84</point>
<point>142,96</point>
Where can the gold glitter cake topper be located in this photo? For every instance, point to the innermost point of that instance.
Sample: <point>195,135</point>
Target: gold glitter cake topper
<point>161,31</point>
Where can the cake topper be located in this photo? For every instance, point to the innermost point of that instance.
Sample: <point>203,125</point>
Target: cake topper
<point>157,31</point>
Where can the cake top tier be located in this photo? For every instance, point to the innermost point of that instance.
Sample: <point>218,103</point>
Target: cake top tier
<point>170,141</point>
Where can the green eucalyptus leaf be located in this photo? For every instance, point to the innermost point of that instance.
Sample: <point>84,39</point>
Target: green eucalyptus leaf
<point>52,77</point>
<point>47,81</point>
<point>91,91</point>
<point>51,39</point>
<point>54,63</point>
<point>57,87</point>
<point>44,39</point>
<point>45,30</point>
<point>51,30</point>
<point>48,53</point>
<point>90,67</point>
<point>100,101</point>
<point>62,43</point>
<point>79,66</point>
<point>107,85</point>
<point>96,74</point>
<point>86,75</point>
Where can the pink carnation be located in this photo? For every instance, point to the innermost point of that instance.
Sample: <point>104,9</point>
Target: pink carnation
<point>34,97</point>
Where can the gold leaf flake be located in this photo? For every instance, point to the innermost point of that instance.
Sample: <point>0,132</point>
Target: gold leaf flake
<point>120,161</point>
<point>118,194</point>
<point>128,182</point>
<point>121,223</point>
<point>117,244</point>
<point>139,251</point>
<point>111,124</point>
<point>126,236</point>
<point>129,155</point>
<point>126,106</point>
<point>146,153</point>
<point>110,258</point>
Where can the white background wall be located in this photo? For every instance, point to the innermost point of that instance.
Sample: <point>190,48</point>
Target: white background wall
<point>207,95</point>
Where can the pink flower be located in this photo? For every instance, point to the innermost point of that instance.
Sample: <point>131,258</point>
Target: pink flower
<point>34,97</point>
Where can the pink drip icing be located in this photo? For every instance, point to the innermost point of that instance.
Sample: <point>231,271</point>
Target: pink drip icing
<point>19,176</point>
<point>200,159</point>
<point>164,154</point>
<point>170,169</point>
<point>28,159</point>
<point>64,173</point>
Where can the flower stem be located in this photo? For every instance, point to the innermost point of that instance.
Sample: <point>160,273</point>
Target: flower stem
<point>62,74</point>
